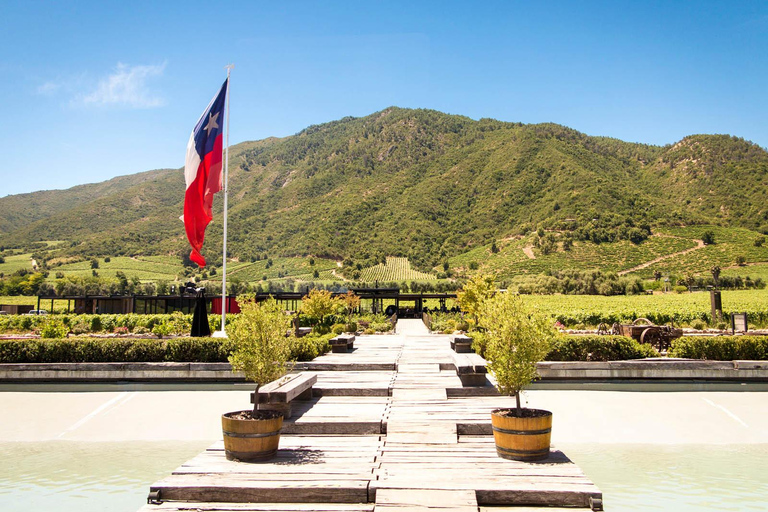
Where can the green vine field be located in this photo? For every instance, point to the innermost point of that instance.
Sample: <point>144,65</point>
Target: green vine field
<point>395,269</point>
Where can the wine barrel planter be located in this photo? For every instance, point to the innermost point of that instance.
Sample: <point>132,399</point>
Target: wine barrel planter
<point>522,438</point>
<point>251,440</point>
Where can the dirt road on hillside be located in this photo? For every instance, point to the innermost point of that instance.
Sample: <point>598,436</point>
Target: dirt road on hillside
<point>699,245</point>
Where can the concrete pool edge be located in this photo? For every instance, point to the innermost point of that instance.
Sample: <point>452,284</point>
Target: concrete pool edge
<point>652,370</point>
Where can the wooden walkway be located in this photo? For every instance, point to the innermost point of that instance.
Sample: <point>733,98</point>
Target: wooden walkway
<point>383,431</point>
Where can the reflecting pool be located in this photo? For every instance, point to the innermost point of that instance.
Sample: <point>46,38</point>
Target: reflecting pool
<point>676,478</point>
<point>72,476</point>
<point>68,476</point>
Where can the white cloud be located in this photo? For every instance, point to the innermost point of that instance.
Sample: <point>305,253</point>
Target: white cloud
<point>48,88</point>
<point>126,86</point>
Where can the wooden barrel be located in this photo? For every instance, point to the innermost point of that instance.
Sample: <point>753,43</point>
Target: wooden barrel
<point>522,438</point>
<point>251,440</point>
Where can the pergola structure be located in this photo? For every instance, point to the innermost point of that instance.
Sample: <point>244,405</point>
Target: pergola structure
<point>376,300</point>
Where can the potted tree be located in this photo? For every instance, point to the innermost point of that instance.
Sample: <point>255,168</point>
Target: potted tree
<point>517,338</point>
<point>261,351</point>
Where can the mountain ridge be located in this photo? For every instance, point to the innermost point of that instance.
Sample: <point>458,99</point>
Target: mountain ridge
<point>414,183</point>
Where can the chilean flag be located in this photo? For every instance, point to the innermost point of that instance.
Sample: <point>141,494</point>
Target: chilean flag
<point>202,172</point>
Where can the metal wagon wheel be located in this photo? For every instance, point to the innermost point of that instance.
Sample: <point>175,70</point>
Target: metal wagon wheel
<point>651,336</point>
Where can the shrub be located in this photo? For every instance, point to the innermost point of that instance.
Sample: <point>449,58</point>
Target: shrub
<point>337,329</point>
<point>384,326</point>
<point>318,304</point>
<point>99,350</point>
<point>81,327</point>
<point>26,322</point>
<point>207,350</point>
<point>108,322</point>
<point>321,329</point>
<point>479,342</point>
<point>309,347</point>
<point>445,321</point>
<point>444,324</point>
<point>54,328</point>
<point>598,348</point>
<point>96,323</point>
<point>161,330</point>
<point>721,348</point>
<point>698,324</point>
<point>180,323</point>
<point>145,350</point>
<point>350,327</point>
<point>474,293</point>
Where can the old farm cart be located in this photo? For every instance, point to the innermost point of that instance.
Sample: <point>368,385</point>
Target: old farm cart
<point>645,331</point>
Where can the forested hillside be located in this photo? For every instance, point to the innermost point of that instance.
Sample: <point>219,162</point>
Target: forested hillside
<point>414,183</point>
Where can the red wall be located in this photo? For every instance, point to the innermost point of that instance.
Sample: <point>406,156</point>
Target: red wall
<point>232,305</point>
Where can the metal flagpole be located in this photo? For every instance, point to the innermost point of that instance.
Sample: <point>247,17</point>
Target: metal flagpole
<point>223,332</point>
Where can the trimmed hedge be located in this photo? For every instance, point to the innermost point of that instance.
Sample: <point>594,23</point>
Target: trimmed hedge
<point>114,350</point>
<point>721,348</point>
<point>310,346</point>
<point>82,324</point>
<point>150,350</point>
<point>598,348</point>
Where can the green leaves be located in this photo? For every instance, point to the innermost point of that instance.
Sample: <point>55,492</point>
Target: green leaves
<point>258,334</point>
<point>516,338</point>
<point>474,293</point>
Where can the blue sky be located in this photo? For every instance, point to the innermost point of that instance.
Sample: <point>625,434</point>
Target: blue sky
<point>93,90</point>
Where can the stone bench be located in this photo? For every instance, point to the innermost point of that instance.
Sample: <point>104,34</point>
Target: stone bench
<point>343,343</point>
<point>278,394</point>
<point>470,368</point>
<point>461,343</point>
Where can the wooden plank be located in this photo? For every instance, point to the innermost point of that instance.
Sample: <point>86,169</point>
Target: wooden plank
<point>499,508</point>
<point>334,427</point>
<point>237,488</point>
<point>177,506</point>
<point>399,394</point>
<point>500,491</point>
<point>419,368</point>
<point>285,389</point>
<point>426,498</point>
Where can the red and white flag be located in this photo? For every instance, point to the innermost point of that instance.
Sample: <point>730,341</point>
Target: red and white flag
<point>202,172</point>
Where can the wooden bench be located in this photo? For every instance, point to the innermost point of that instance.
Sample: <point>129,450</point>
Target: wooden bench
<point>343,343</point>
<point>470,368</point>
<point>461,343</point>
<point>302,331</point>
<point>278,394</point>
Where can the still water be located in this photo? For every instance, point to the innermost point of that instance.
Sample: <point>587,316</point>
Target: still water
<point>70,476</point>
<point>683,478</point>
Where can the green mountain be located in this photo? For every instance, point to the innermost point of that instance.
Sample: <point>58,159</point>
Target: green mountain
<point>23,209</point>
<point>414,183</point>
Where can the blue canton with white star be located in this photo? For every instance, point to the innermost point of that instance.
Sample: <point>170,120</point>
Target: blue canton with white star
<point>211,124</point>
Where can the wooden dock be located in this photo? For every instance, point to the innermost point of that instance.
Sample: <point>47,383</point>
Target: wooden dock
<point>389,427</point>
